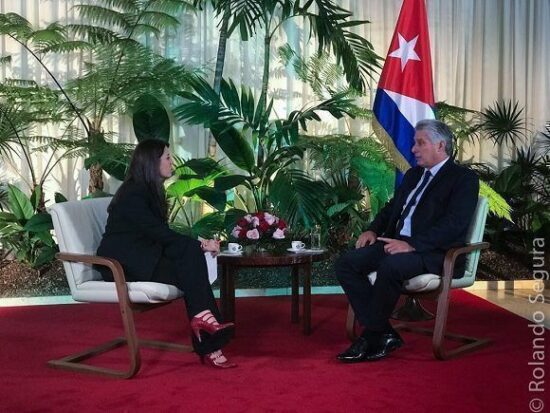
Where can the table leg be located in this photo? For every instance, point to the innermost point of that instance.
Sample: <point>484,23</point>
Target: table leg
<point>294,309</point>
<point>223,292</point>
<point>231,294</point>
<point>307,299</point>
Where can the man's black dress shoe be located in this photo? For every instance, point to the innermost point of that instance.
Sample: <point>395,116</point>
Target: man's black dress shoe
<point>389,342</point>
<point>364,349</point>
<point>356,352</point>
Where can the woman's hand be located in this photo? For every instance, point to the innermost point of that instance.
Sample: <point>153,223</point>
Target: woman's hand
<point>211,245</point>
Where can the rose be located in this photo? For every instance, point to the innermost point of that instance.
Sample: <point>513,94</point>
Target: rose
<point>259,225</point>
<point>269,219</point>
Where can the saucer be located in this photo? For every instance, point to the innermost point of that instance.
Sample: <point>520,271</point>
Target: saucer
<point>227,252</point>
<point>300,250</point>
<point>309,251</point>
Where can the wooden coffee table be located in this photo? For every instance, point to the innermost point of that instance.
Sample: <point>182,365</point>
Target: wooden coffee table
<point>230,265</point>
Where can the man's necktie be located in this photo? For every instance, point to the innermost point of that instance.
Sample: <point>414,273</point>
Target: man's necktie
<point>412,202</point>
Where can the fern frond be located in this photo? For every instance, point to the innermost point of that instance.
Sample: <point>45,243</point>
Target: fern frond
<point>497,204</point>
<point>157,19</point>
<point>16,26</point>
<point>94,34</point>
<point>104,16</point>
<point>53,34</point>
<point>67,47</point>
<point>126,6</point>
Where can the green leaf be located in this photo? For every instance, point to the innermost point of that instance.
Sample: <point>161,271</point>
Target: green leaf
<point>44,236</point>
<point>215,198</point>
<point>235,146</point>
<point>223,183</point>
<point>208,225</point>
<point>337,208</point>
<point>497,205</point>
<point>150,119</point>
<point>19,203</point>
<point>204,167</point>
<point>59,198</point>
<point>297,197</point>
<point>116,169</point>
<point>39,222</point>
<point>35,196</point>
<point>46,255</point>
<point>508,182</point>
<point>377,177</point>
<point>182,186</point>
<point>6,217</point>
<point>504,123</point>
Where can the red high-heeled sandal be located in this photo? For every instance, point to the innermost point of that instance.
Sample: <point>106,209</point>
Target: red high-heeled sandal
<point>208,324</point>
<point>217,360</point>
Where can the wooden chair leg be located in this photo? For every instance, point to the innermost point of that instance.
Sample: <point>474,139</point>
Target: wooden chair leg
<point>74,362</point>
<point>440,334</point>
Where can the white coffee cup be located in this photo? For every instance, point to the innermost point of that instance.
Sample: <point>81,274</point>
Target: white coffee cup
<point>298,245</point>
<point>233,247</point>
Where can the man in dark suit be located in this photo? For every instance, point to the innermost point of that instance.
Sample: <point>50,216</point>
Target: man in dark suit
<point>429,214</point>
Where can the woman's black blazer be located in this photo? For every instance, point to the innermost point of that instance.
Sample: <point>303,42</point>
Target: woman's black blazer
<point>137,235</point>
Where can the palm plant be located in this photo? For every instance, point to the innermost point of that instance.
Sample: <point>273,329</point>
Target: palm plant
<point>23,107</point>
<point>543,140</point>
<point>3,196</point>
<point>236,117</point>
<point>360,176</point>
<point>463,122</point>
<point>329,23</point>
<point>233,118</point>
<point>117,71</point>
<point>504,123</point>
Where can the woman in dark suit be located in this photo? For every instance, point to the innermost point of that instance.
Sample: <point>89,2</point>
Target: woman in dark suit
<point>138,236</point>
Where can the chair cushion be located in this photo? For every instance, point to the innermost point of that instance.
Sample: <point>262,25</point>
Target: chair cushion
<point>139,292</point>
<point>79,226</point>
<point>429,282</point>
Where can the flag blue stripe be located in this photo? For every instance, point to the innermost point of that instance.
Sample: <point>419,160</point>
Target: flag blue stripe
<point>395,124</point>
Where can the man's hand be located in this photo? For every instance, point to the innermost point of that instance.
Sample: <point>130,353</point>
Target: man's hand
<point>211,245</point>
<point>365,239</point>
<point>395,246</point>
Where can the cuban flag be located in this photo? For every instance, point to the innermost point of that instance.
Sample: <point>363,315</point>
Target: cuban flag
<point>405,90</point>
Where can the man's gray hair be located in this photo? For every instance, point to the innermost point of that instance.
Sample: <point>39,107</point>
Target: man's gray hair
<point>437,131</point>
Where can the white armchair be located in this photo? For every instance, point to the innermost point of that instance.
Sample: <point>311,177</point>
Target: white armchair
<point>79,226</point>
<point>439,286</point>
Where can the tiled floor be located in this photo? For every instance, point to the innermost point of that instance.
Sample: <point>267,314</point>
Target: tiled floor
<point>526,302</point>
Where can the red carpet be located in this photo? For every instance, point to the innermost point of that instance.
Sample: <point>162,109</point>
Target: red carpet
<point>279,368</point>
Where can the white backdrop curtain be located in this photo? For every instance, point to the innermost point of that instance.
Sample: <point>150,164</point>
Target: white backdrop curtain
<point>482,51</point>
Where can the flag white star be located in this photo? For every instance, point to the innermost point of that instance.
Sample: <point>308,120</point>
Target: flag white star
<point>405,52</point>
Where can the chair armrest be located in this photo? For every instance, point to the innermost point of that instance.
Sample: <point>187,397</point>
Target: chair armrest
<point>111,263</point>
<point>454,253</point>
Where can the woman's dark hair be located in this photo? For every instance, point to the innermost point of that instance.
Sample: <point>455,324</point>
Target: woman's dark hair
<point>144,169</point>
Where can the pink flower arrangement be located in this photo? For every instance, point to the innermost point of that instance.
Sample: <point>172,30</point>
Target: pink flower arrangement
<point>259,226</point>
